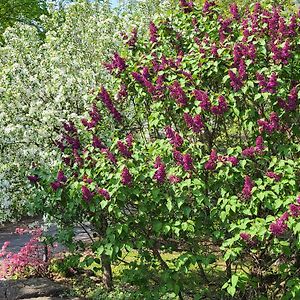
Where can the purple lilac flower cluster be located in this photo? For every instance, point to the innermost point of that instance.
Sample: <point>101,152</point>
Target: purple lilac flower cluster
<point>122,93</point>
<point>279,226</point>
<point>246,237</point>
<point>267,86</point>
<point>126,177</point>
<point>173,179</point>
<point>160,173</point>
<point>97,143</point>
<point>61,179</point>
<point>153,32</point>
<point>184,160</point>
<point>211,164</point>
<point>178,94</point>
<point>110,156</point>
<point>207,6</point>
<point>221,108</point>
<point>258,149</point>
<point>95,118</point>
<point>225,28</point>
<point>105,98</point>
<point>186,5</point>
<point>281,54</point>
<point>271,125</point>
<point>131,42</point>
<point>175,139</point>
<point>291,103</point>
<point>123,148</point>
<point>87,194</point>
<point>273,175</point>
<point>194,123</point>
<point>203,98</point>
<point>118,63</point>
<point>33,178</point>
<point>104,193</point>
<point>247,189</point>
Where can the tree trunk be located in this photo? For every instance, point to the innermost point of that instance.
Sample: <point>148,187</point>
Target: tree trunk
<point>107,272</point>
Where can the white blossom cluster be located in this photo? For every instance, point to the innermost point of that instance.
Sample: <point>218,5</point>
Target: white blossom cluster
<point>43,82</point>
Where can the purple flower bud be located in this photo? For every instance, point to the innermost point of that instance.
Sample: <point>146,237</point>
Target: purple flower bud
<point>273,175</point>
<point>124,150</point>
<point>249,152</point>
<point>174,179</point>
<point>153,32</point>
<point>160,174</point>
<point>87,195</point>
<point>203,98</point>
<point>61,176</point>
<point>56,185</point>
<point>187,162</point>
<point>97,143</point>
<point>126,177</point>
<point>175,139</point>
<point>104,193</point>
<point>104,96</point>
<point>178,94</point>
<point>247,189</point>
<point>33,178</point>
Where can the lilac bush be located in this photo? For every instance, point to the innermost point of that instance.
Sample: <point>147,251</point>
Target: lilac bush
<point>202,149</point>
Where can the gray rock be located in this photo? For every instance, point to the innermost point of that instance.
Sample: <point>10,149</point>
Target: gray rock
<point>37,288</point>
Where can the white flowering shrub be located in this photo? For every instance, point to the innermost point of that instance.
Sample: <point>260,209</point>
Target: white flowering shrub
<point>43,83</point>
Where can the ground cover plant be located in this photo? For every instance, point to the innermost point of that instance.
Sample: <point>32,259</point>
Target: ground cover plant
<point>194,150</point>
